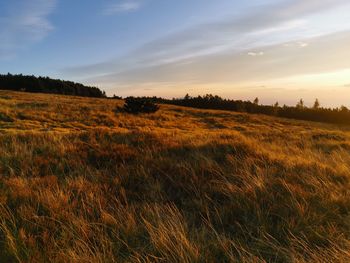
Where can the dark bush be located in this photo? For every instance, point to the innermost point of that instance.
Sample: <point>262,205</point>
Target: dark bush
<point>139,105</point>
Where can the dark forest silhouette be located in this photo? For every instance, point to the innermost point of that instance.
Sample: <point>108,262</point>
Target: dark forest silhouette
<point>300,111</point>
<point>47,85</point>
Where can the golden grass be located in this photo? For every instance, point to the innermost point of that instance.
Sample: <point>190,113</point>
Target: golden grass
<point>83,183</point>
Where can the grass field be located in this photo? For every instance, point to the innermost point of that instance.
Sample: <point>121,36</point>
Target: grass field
<point>81,182</point>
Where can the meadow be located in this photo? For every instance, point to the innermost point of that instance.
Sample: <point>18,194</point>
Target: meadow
<point>83,182</point>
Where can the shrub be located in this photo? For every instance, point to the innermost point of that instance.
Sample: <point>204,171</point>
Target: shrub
<point>139,105</point>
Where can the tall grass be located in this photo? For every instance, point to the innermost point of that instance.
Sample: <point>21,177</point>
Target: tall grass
<point>81,183</point>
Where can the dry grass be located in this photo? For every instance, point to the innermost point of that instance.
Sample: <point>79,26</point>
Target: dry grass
<point>82,183</point>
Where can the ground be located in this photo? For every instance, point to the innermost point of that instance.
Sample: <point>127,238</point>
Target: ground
<point>83,182</point>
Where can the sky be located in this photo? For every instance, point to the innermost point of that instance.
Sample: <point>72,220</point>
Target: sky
<point>277,50</point>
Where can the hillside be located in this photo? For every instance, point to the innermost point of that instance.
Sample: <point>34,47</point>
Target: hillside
<point>81,182</point>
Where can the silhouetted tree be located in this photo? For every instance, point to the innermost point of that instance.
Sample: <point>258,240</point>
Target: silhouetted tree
<point>300,104</point>
<point>116,97</point>
<point>344,109</point>
<point>256,101</point>
<point>316,104</point>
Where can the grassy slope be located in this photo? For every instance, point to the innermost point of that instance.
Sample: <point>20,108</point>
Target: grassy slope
<point>80,183</point>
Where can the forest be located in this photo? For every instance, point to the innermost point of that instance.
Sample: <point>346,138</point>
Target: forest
<point>317,113</point>
<point>47,85</point>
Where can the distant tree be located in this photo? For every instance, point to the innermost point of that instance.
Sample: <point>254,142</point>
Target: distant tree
<point>344,109</point>
<point>316,104</point>
<point>116,97</point>
<point>300,104</point>
<point>187,97</point>
<point>256,101</point>
<point>276,104</point>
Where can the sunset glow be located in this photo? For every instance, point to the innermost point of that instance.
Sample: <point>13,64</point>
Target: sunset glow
<point>265,48</point>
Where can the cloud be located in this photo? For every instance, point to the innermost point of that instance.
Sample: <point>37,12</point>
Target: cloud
<point>127,6</point>
<point>217,51</point>
<point>23,23</point>
<point>303,44</point>
<point>328,53</point>
<point>255,54</point>
<point>299,44</point>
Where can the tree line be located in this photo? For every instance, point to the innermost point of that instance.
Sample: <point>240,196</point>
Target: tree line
<point>47,85</point>
<point>300,111</point>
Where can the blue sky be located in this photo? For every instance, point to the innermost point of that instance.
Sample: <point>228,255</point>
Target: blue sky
<point>275,49</point>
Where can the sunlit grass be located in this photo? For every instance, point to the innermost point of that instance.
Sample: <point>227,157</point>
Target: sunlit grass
<point>81,182</point>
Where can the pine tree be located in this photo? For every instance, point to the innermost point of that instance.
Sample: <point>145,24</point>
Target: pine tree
<point>316,104</point>
<point>300,104</point>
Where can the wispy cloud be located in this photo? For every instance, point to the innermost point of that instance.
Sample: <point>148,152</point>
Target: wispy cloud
<point>328,53</point>
<point>23,23</point>
<point>300,44</point>
<point>217,51</point>
<point>255,54</point>
<point>121,7</point>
